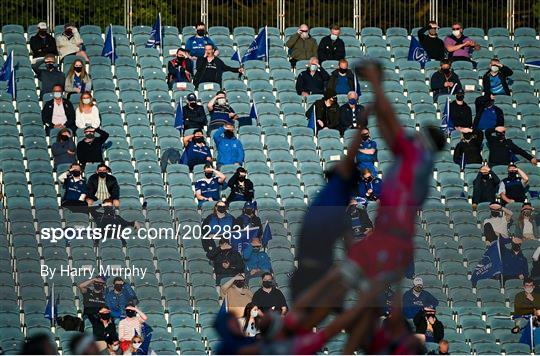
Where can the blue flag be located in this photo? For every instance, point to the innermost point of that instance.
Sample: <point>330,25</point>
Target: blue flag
<point>146,334</point>
<point>258,49</point>
<point>490,265</point>
<point>253,112</point>
<point>245,237</point>
<point>312,122</point>
<point>179,117</point>
<point>417,52</point>
<point>357,87</point>
<point>534,64</point>
<point>267,234</point>
<point>155,34</point>
<point>236,57</point>
<point>109,49</point>
<point>51,309</point>
<point>447,124</point>
<point>7,73</point>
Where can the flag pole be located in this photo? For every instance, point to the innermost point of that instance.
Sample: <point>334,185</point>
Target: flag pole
<point>266,41</point>
<point>53,319</point>
<point>160,35</point>
<point>113,49</point>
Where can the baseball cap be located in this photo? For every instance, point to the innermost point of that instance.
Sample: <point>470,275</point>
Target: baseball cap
<point>191,97</point>
<point>418,281</point>
<point>42,26</point>
<point>495,206</point>
<point>250,205</point>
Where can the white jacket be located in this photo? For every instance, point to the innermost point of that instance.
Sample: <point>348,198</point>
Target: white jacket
<point>82,120</point>
<point>68,46</point>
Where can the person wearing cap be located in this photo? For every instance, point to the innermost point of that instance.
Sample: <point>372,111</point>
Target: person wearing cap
<point>427,324</point>
<point>488,115</point>
<point>207,189</point>
<point>495,81</point>
<point>461,112</point>
<point>221,112</point>
<point>469,149</point>
<point>527,223</point>
<point>210,68</point>
<point>196,150</point>
<point>361,224</point>
<point>228,146</point>
<point>90,149</point>
<point>312,80</point>
<point>498,222</point>
<point>180,68</point>
<point>326,111</point>
<point>342,79</point>
<point>93,293</point>
<point>256,259</point>
<point>227,261</point>
<point>42,43</point>
<point>485,186</point>
<point>433,45</point>
<point>194,115</point>
<point>301,45</point>
<point>444,81</point>
<point>50,76</point>
<point>349,113</point>
<point>241,187</point>
<point>102,186</point>
<point>416,299</point>
<point>70,43</point>
<point>58,113</point>
<point>502,151</point>
<point>249,218</point>
<point>514,187</point>
<point>218,222</point>
<point>331,47</point>
<point>367,153</point>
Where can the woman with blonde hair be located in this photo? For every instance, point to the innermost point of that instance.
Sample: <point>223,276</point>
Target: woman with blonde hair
<point>77,80</point>
<point>87,114</point>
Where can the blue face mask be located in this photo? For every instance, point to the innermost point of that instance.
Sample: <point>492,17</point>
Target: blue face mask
<point>353,101</point>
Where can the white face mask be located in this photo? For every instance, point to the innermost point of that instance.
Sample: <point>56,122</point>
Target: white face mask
<point>222,101</point>
<point>456,32</point>
<point>313,67</point>
<point>115,347</point>
<point>494,68</point>
<point>57,95</point>
<point>333,37</point>
<point>529,289</point>
<point>86,101</point>
<point>136,345</point>
<point>254,313</point>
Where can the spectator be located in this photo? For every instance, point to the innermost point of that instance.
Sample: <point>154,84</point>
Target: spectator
<point>237,295</point>
<point>342,79</point>
<point>312,80</point>
<point>535,270</point>
<point>39,344</point>
<point>349,113</point>
<point>87,114</point>
<point>210,68</point>
<point>113,346</point>
<point>241,187</point>
<point>269,297</point>
<point>64,149</point>
<point>444,349</point>
<point>78,80</point>
<point>427,324</point>
<point>208,188</point>
<point>194,115</point>
<point>499,220</point>
<point>180,68</point>
<point>461,112</point>
<point>217,223</point>
<point>530,333</point>
<point>527,224</point>
<point>249,218</point>
<point>495,81</point>
<point>469,149</point>
<point>444,81</point>
<point>82,344</point>
<point>331,47</point>
<point>229,148</point>
<point>249,322</point>
<point>196,44</point>
<point>256,259</point>
<point>433,45</point>
<point>488,115</point>
<point>485,186</point>
<point>130,326</point>
<point>75,189</point>
<point>301,45</point>
<point>514,264</point>
<point>134,345</point>
<point>70,42</point>
<point>90,149</point>
<point>227,261</point>
<point>369,187</point>
<point>104,329</point>
<point>459,46</point>
<point>196,150</point>
<point>48,77</point>
<point>527,301</point>
<point>326,111</point>
<point>416,299</point>
<point>221,112</point>
<point>361,224</point>
<point>58,113</point>
<point>119,296</point>
<point>367,153</point>
<point>502,151</point>
<point>103,185</point>
<point>109,217</point>
<point>93,293</point>
<point>514,187</point>
<point>42,43</point>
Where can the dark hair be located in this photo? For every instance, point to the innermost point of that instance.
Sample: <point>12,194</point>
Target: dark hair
<point>247,315</point>
<point>111,339</point>
<point>103,165</point>
<point>58,85</point>
<point>528,280</point>
<point>445,61</point>
<point>116,279</point>
<point>267,274</point>
<point>36,345</point>
<point>208,165</point>
<point>197,131</point>
<point>437,137</point>
<point>200,23</point>
<point>59,135</point>
<point>109,200</point>
<point>75,164</point>
<point>335,27</point>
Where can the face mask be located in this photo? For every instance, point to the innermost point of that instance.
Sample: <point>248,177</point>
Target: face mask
<point>109,211</point>
<point>192,104</point>
<point>118,287</point>
<point>343,70</point>
<point>68,32</point>
<point>64,138</point>
<point>268,284</point>
<point>199,139</point>
<point>221,209</point>
<point>86,101</point>
<point>102,174</point>
<point>105,316</point>
<point>433,32</point>
<point>136,345</point>
<point>446,70</point>
<point>239,284</point>
<point>527,213</point>
<point>256,248</point>
<point>50,66</point>
<point>254,313</point>
<point>456,32</point>
<point>77,69</point>
<point>516,247</point>
<point>130,313</point>
<point>222,101</point>
<point>512,175</point>
<point>248,211</point>
<point>496,214</point>
<point>467,136</point>
<point>179,58</point>
<point>201,33</point>
<point>97,287</point>
<point>365,137</point>
<point>228,134</point>
<point>352,101</point>
<point>500,135</point>
<point>208,174</point>
<point>76,173</point>
<point>417,289</point>
<point>313,67</point>
<point>115,347</point>
<point>485,175</point>
<point>89,135</point>
<point>460,97</point>
<point>333,37</point>
<point>241,178</point>
<point>57,94</point>
<point>529,289</point>
<point>42,33</point>
<point>494,69</point>
<point>368,179</point>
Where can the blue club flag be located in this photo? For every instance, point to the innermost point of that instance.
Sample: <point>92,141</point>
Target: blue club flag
<point>253,112</point>
<point>7,73</point>
<point>490,265</point>
<point>258,49</point>
<point>179,117</point>
<point>51,309</point>
<point>236,57</point>
<point>146,334</point>
<point>357,87</point>
<point>267,234</point>
<point>109,49</point>
<point>447,124</point>
<point>245,237</point>
<point>534,64</point>
<point>417,52</point>
<point>155,34</point>
<point>312,122</point>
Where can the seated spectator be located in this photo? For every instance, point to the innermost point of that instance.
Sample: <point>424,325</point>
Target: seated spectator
<point>196,44</point>
<point>237,295</point>
<point>361,224</point>
<point>64,149</point>
<point>527,224</point>
<point>194,115</point>
<point>326,111</point>
<point>134,345</point>
<point>444,81</point>
<point>227,261</point>
<point>82,344</point>
<point>331,47</point>
<point>119,296</point>
<point>221,112</point>
<point>367,153</point>
<point>342,79</point>
<point>196,150</point>
<point>90,149</point>
<point>180,68</point>
<point>70,42</point>
<point>88,113</point>
<point>78,80</point>
<point>530,333</point>
<point>113,346</point>
<point>58,113</point>
<point>75,189</point>
<point>241,186</point>
<point>42,43</point>
<point>229,148</point>
<point>461,112</point>
<point>93,293</point>
<point>104,329</point>
<point>269,297</point>
<point>495,81</point>
<point>433,45</point>
<point>208,188</point>
<point>444,349</point>
<point>301,45</point>
<point>514,187</point>
<point>249,218</point>
<point>485,186</point>
<point>502,151</point>
<point>527,301</point>
<point>217,223</point>
<point>48,77</point>
<point>427,324</point>
<point>312,80</point>
<point>416,299</point>
<point>459,46</point>
<point>488,115</point>
<point>210,68</point>
<point>249,322</point>
<point>349,113</point>
<point>469,149</point>
<point>514,264</point>
<point>499,221</point>
<point>109,217</point>
<point>369,186</point>
<point>103,185</point>
<point>256,259</point>
<point>130,326</point>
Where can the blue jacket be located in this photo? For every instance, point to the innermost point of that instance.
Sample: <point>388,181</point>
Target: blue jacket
<point>256,260</point>
<point>514,264</point>
<point>363,157</point>
<point>195,45</point>
<point>117,302</point>
<point>230,150</point>
<point>413,304</point>
<point>364,186</point>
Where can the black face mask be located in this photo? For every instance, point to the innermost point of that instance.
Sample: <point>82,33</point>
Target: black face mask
<point>365,137</point>
<point>368,179</point>
<point>130,313</point>
<point>468,136</point>
<point>460,97</point>
<point>180,59</point>
<point>201,32</point>
<point>516,247</point>
<point>109,211</point>
<point>193,104</point>
<point>248,211</point>
<point>512,175</point>
<point>68,33</point>
<point>105,316</point>
<point>343,70</point>
<point>228,134</point>
<point>208,174</point>
<point>42,33</point>
<point>268,284</point>
<point>102,174</point>
<point>221,209</point>
<point>500,135</point>
<point>446,70</point>
<point>496,214</point>
<point>118,287</point>
<point>50,66</point>
<point>77,69</point>
<point>240,284</point>
<point>198,139</point>
<point>89,135</point>
<point>76,173</point>
<point>241,178</point>
<point>485,176</point>
<point>98,287</point>
<point>64,138</point>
